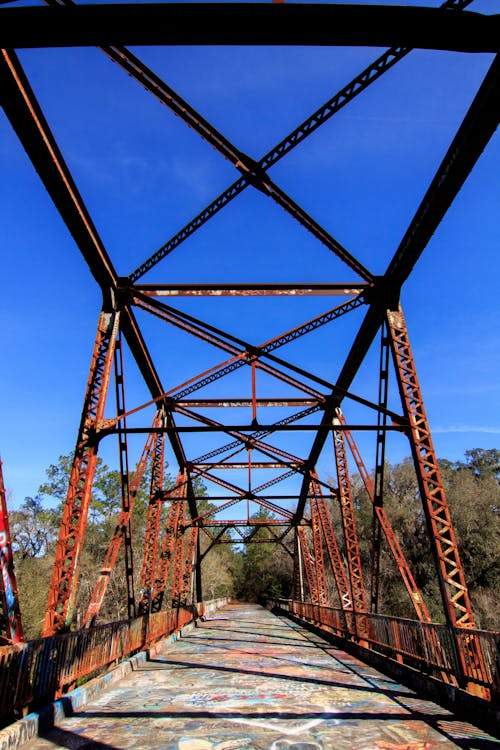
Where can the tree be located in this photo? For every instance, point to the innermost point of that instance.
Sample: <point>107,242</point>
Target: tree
<point>266,571</point>
<point>33,528</point>
<point>483,462</point>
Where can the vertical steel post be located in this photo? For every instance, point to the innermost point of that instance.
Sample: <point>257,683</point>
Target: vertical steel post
<point>11,627</point>
<point>319,559</point>
<point>197,573</point>
<point>63,588</point>
<point>308,565</point>
<point>336,561</point>
<point>108,565</point>
<point>378,495</point>
<point>454,593</point>
<point>178,571</point>
<point>153,523</point>
<point>298,583</point>
<point>189,567</point>
<point>399,558</point>
<point>177,509</point>
<point>348,521</point>
<point>124,475</point>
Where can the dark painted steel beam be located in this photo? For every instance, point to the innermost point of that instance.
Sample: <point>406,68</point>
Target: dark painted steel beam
<point>346,94</point>
<point>248,23</point>
<point>27,119</point>
<point>471,139</point>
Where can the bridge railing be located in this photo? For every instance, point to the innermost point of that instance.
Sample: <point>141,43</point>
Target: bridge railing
<point>429,647</point>
<point>34,673</point>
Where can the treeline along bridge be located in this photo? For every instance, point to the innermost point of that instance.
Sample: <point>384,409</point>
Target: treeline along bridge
<point>319,419</point>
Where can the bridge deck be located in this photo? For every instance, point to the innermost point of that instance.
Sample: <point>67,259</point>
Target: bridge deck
<point>247,680</point>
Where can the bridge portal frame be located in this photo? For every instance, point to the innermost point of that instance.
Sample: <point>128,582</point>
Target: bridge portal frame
<point>63,23</point>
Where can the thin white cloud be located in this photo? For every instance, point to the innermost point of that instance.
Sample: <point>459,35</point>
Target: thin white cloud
<point>467,428</point>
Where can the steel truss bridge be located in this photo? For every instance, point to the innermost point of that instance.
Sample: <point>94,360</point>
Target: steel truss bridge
<point>317,408</point>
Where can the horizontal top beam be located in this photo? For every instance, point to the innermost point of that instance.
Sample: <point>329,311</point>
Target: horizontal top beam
<point>248,24</point>
<point>200,403</point>
<point>248,290</point>
<point>268,428</point>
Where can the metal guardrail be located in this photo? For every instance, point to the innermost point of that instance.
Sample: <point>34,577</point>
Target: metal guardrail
<point>38,671</point>
<point>466,658</point>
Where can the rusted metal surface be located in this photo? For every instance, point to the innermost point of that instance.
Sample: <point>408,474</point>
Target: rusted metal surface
<point>34,673</point>
<point>407,576</point>
<point>331,547</point>
<point>171,533</point>
<point>72,532</point>
<point>149,561</point>
<point>116,541</point>
<point>426,646</point>
<point>453,588</point>
<point>348,522</point>
<point>246,290</point>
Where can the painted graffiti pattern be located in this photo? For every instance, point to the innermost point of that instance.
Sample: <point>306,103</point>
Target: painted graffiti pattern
<point>248,680</point>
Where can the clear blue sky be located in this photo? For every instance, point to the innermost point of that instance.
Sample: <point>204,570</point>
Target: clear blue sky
<point>143,174</point>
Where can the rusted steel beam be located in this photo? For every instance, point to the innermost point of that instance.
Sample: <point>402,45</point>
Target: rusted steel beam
<point>151,541</point>
<point>217,403</point>
<point>308,560</point>
<point>336,561</point>
<point>248,24</point>
<point>298,573</point>
<point>176,517</point>
<point>250,522</point>
<point>240,465</point>
<point>189,566</point>
<point>209,376</point>
<point>142,356</point>
<point>400,560</point>
<point>179,559</point>
<point>349,523</point>
<point>318,553</point>
<point>454,593</point>
<point>249,290</point>
<point>115,544</point>
<point>269,428</point>
<point>11,626</point>
<point>248,495</point>
<point>245,352</point>
<point>64,582</point>
<point>473,135</point>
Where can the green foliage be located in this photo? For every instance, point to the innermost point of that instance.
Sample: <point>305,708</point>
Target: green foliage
<point>33,528</point>
<point>264,569</point>
<point>473,494</point>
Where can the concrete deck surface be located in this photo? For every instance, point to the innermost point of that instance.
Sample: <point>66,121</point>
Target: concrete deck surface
<point>248,680</point>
